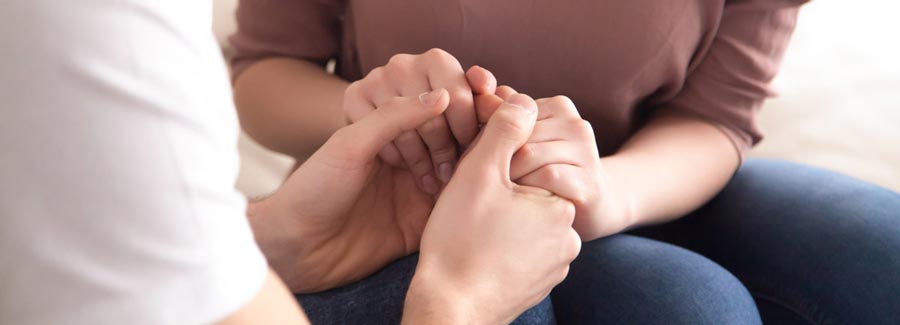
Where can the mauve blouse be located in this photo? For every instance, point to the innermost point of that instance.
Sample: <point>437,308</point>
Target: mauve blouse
<point>620,61</point>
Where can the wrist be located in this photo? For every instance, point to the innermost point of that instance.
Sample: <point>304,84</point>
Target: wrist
<point>619,197</point>
<point>273,236</point>
<point>434,300</point>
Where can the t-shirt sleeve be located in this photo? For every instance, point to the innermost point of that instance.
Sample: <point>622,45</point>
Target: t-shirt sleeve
<point>730,82</point>
<point>302,29</point>
<point>118,158</point>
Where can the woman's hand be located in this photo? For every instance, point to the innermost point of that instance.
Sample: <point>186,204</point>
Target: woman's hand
<point>492,248</point>
<point>429,151</point>
<point>344,214</point>
<point>561,156</point>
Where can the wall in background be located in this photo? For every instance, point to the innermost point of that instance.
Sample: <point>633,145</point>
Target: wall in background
<point>223,19</point>
<point>839,105</point>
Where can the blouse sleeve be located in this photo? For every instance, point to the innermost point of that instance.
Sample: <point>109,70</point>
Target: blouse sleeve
<point>303,29</point>
<point>730,83</point>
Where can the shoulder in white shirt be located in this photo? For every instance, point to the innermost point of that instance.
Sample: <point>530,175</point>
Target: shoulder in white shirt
<point>117,164</point>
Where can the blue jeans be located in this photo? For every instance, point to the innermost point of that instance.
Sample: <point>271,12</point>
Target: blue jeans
<point>782,243</point>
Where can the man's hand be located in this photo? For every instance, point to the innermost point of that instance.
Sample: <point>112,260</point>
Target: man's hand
<point>492,248</point>
<point>429,150</point>
<point>344,213</point>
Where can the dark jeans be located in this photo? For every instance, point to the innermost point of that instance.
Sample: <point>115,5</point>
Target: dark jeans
<point>783,243</point>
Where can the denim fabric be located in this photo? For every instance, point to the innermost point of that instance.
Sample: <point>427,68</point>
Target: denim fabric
<point>783,244</point>
<point>812,246</point>
<point>626,279</point>
<point>379,300</point>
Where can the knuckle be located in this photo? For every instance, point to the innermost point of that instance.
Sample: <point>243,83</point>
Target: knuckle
<point>377,72</point>
<point>508,126</point>
<point>562,100</point>
<point>416,159</point>
<point>437,139</point>
<point>561,274</point>
<point>564,212</point>
<point>526,152</point>
<point>441,57</point>
<point>565,105</point>
<point>401,59</point>
<point>376,75</point>
<point>421,165</point>
<point>580,195</point>
<point>407,138</point>
<point>443,153</point>
<point>460,96</point>
<point>432,127</point>
<point>574,244</point>
<point>505,91</point>
<point>551,174</point>
<point>354,89</point>
<point>437,53</point>
<point>568,213</point>
<point>400,66</point>
<point>584,129</point>
<point>394,103</point>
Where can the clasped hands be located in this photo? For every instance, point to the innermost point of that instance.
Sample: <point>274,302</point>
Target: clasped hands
<point>495,226</point>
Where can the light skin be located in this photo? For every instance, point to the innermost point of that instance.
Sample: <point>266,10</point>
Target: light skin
<point>672,165</point>
<point>504,229</point>
<point>481,231</point>
<point>669,167</point>
<point>266,96</point>
<point>635,186</point>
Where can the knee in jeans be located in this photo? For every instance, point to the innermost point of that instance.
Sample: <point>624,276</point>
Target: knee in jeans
<point>637,280</point>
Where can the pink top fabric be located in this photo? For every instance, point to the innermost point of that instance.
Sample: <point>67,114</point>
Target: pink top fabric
<point>619,61</point>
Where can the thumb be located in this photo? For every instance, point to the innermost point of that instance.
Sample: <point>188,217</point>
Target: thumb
<point>507,130</point>
<point>361,141</point>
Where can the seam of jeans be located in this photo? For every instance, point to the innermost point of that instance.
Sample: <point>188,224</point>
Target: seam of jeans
<point>805,309</point>
<point>784,305</point>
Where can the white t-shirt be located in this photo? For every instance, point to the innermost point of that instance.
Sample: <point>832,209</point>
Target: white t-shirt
<point>117,164</point>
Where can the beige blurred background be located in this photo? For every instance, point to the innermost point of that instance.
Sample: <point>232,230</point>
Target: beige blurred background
<point>838,108</point>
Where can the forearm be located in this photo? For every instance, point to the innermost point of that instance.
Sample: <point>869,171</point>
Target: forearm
<point>288,105</point>
<point>670,167</point>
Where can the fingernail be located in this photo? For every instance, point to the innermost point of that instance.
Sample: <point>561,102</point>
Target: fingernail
<point>522,101</point>
<point>431,97</point>
<point>429,184</point>
<point>445,171</point>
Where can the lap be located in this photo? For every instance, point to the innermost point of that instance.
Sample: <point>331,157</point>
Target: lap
<point>618,279</point>
<point>816,242</point>
<point>822,245</point>
<point>379,298</point>
<point>626,279</point>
